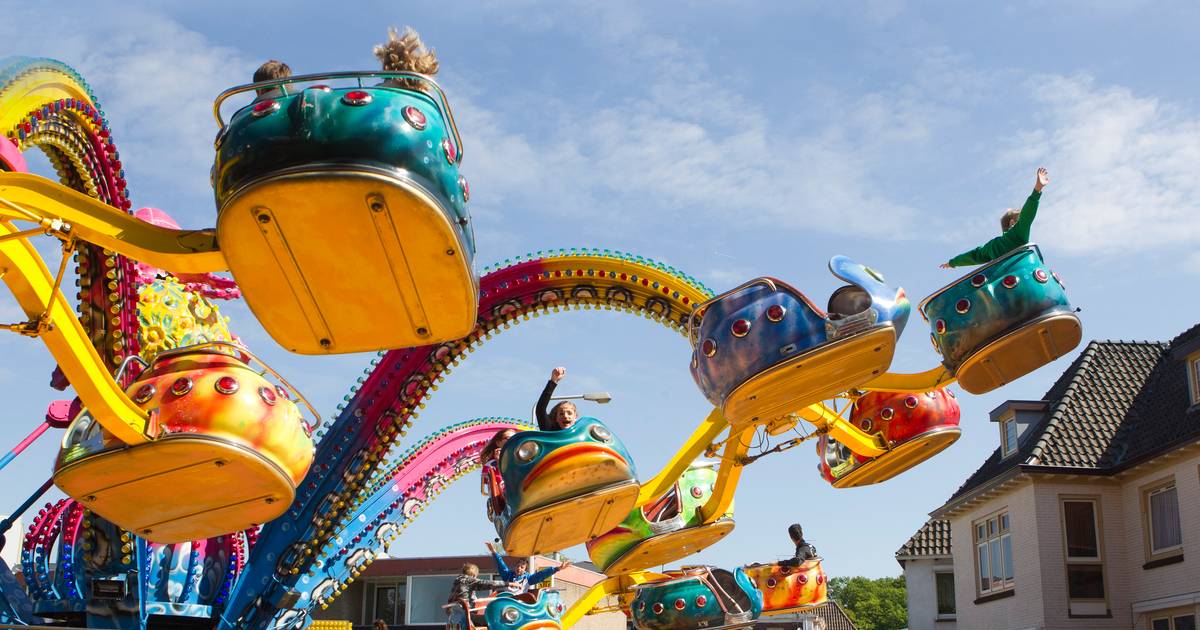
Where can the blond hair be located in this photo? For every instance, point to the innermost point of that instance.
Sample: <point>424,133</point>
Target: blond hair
<point>405,52</point>
<point>1009,219</point>
<point>470,567</point>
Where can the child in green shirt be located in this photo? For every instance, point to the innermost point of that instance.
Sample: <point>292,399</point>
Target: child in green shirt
<point>1015,226</point>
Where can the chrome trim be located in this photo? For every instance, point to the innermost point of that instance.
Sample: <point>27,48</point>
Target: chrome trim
<point>675,523</point>
<point>440,102</point>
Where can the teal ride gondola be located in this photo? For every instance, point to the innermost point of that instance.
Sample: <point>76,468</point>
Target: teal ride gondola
<point>561,488</point>
<point>536,610</point>
<point>697,597</point>
<point>1002,321</point>
<point>342,213</point>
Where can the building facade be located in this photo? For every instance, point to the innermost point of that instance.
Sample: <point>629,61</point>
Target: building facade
<point>1087,515</point>
<point>929,577</point>
<point>408,593</point>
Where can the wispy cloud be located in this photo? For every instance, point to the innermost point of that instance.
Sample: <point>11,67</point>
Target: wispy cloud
<point>686,141</point>
<point>155,82</point>
<point>1123,167</point>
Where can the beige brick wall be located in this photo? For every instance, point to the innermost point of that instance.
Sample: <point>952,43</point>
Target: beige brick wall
<point>1052,552</point>
<point>1022,610</point>
<point>606,621</point>
<point>1039,557</point>
<point>1176,579</point>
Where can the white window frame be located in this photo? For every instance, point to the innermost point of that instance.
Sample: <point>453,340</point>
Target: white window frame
<point>370,597</point>
<point>1193,368</point>
<point>1170,619</point>
<point>991,533</point>
<point>408,595</point>
<point>1008,447</point>
<point>940,616</point>
<point>1085,605</point>
<point>1171,549</point>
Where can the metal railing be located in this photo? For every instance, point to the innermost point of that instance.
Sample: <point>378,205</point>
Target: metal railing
<point>282,84</point>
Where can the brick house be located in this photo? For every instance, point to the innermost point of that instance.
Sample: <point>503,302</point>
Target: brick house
<point>408,593</point>
<point>929,577</point>
<point>1088,513</point>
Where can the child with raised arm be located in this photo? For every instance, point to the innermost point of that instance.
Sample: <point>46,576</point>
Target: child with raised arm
<point>1014,225</point>
<point>521,580</point>
<point>462,596</point>
<point>564,414</point>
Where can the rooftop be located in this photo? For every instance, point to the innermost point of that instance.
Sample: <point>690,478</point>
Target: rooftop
<point>932,540</point>
<point>1119,403</point>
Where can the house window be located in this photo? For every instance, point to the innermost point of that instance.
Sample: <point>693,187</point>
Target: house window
<point>1085,561</point>
<point>993,554</point>
<point>945,594</point>
<point>1161,507</point>
<point>1194,378</point>
<point>1176,622</point>
<point>1008,437</point>
<point>389,604</point>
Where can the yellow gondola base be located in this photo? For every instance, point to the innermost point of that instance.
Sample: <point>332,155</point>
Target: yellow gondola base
<point>670,546</point>
<point>900,458</point>
<point>228,487</point>
<point>807,378</point>
<point>1019,352</point>
<point>340,260</point>
<point>569,522</point>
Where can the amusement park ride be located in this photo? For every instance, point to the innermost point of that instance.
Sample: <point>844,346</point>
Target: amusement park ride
<point>203,490</point>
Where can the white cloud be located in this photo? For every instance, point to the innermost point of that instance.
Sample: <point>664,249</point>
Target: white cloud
<point>1123,168</point>
<point>155,82</point>
<point>682,139</point>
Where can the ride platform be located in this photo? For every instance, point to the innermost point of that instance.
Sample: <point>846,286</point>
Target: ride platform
<point>347,259</point>
<point>819,374</point>
<point>566,523</point>
<point>670,546</point>
<point>899,458</point>
<point>1019,352</point>
<point>228,487</point>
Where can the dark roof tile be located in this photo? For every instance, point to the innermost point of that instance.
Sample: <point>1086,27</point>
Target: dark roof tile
<point>1118,401</point>
<point>933,539</point>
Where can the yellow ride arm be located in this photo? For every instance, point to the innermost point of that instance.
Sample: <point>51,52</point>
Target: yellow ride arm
<point>918,383</point>
<point>33,286</point>
<point>613,586</point>
<point>728,476</point>
<point>705,434</point>
<point>178,251</point>
<point>855,439</point>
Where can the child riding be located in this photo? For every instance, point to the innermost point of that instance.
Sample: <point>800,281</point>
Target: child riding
<point>1015,230</point>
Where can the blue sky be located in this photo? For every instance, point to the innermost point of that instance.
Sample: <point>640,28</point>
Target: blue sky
<point>729,140</point>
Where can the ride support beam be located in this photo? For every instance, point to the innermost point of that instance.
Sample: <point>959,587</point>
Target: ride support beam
<point>855,439</point>
<point>918,383</point>
<point>728,475</point>
<point>613,586</point>
<point>25,197</point>
<point>701,438</point>
<point>55,324</point>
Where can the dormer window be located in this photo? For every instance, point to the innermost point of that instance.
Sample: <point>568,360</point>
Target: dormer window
<point>1009,436</point>
<point>1014,418</point>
